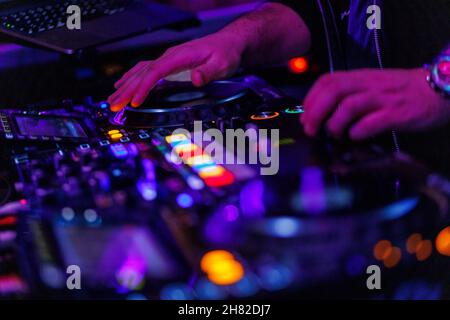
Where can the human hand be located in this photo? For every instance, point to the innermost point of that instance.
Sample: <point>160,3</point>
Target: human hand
<point>210,58</point>
<point>368,102</point>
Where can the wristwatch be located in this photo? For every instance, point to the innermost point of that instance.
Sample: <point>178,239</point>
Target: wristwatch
<point>439,74</point>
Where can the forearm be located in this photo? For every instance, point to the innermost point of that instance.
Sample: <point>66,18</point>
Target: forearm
<point>272,33</point>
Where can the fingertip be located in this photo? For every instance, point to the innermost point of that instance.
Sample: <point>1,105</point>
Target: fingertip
<point>115,108</point>
<point>135,103</point>
<point>197,78</point>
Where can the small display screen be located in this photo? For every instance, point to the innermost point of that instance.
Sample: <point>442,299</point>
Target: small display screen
<point>50,127</point>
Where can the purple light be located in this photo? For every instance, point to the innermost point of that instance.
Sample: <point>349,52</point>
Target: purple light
<point>312,190</point>
<point>252,199</point>
<point>131,275</point>
<point>231,212</point>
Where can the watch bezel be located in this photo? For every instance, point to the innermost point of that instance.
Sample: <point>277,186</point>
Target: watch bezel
<point>436,79</point>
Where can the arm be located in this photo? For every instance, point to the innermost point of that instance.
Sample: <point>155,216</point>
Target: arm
<point>271,33</point>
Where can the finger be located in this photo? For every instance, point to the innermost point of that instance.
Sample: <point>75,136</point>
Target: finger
<point>371,125</point>
<point>325,95</point>
<point>209,71</point>
<point>125,94</point>
<point>137,68</point>
<point>350,109</point>
<point>136,77</point>
<point>161,68</point>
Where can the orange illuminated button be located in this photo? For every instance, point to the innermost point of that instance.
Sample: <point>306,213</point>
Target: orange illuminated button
<point>265,115</point>
<point>443,242</point>
<point>225,179</point>
<point>211,171</point>
<point>114,131</point>
<point>116,136</point>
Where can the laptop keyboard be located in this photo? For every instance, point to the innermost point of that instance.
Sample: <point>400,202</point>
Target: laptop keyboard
<point>54,14</point>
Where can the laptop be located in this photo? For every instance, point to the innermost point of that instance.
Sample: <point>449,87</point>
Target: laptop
<point>44,22</point>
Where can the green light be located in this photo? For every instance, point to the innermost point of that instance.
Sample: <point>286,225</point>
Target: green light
<point>295,110</point>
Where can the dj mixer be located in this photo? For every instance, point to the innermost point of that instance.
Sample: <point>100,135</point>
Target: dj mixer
<point>143,212</point>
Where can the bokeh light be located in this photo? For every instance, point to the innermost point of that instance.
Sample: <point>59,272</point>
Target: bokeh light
<point>393,258</point>
<point>424,250</point>
<point>382,249</point>
<point>413,243</point>
<point>213,257</point>
<point>443,242</point>
<point>222,268</point>
<point>299,65</point>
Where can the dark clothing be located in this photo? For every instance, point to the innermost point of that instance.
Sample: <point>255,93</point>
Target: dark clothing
<point>412,33</point>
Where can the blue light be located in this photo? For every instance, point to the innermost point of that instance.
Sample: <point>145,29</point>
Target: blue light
<point>147,189</point>
<point>275,276</point>
<point>282,227</point>
<point>356,265</point>
<point>246,287</point>
<point>136,296</point>
<point>418,290</point>
<point>176,291</point>
<point>104,105</point>
<point>184,200</point>
<point>117,172</point>
<point>399,209</point>
<point>119,150</point>
<point>206,290</point>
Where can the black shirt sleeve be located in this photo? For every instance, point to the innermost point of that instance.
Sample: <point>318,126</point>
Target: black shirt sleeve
<point>309,11</point>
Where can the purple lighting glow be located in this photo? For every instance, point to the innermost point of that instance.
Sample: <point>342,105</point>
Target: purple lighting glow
<point>312,190</point>
<point>252,199</point>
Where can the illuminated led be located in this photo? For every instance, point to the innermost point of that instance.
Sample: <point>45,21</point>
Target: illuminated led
<point>211,171</point>
<point>115,131</point>
<point>299,65</point>
<point>187,150</point>
<point>176,138</point>
<point>443,242</point>
<point>195,183</point>
<point>8,221</point>
<point>295,110</point>
<point>265,115</point>
<point>215,256</point>
<point>382,249</point>
<point>224,179</point>
<point>200,160</point>
<point>119,150</point>
<point>116,136</point>
<point>68,213</point>
<point>90,215</point>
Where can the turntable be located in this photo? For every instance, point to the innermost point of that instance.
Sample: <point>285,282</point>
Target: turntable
<point>174,104</point>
